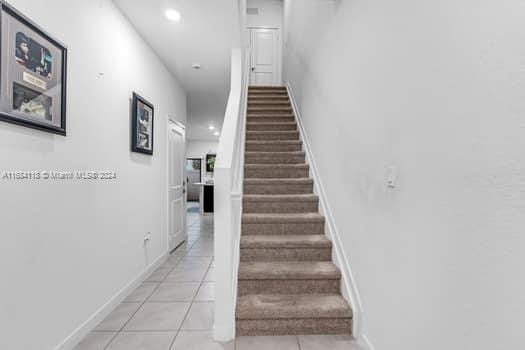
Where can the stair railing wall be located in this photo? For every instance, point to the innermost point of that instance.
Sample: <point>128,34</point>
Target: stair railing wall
<point>349,285</point>
<point>228,176</point>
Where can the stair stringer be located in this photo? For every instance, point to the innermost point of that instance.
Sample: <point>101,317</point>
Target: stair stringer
<point>348,283</point>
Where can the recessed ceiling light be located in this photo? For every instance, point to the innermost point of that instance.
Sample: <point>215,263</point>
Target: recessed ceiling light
<point>211,127</point>
<point>173,15</point>
<point>216,133</point>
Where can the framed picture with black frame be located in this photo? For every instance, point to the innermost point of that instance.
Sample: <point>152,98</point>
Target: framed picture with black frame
<point>32,75</point>
<point>210,162</point>
<point>141,125</point>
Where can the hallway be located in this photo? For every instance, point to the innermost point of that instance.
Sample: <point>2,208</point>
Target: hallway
<point>173,308</point>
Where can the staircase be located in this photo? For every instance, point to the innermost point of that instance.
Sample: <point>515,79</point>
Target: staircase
<point>287,283</point>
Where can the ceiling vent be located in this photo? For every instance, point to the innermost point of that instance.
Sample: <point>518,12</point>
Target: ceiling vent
<point>254,11</point>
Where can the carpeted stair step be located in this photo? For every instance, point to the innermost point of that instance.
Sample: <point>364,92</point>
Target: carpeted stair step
<point>283,224</point>
<point>277,314</point>
<point>268,97</point>
<point>272,135</point>
<point>266,87</point>
<point>267,94</point>
<point>270,110</point>
<point>268,103</point>
<point>278,186</point>
<point>271,126</point>
<point>273,203</point>
<point>275,157</point>
<point>274,146</point>
<point>285,248</point>
<point>269,118</point>
<point>267,90</point>
<point>295,277</point>
<point>276,171</point>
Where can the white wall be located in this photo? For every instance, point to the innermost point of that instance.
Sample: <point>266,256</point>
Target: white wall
<point>70,246</point>
<point>437,89</point>
<point>199,149</point>
<point>270,13</point>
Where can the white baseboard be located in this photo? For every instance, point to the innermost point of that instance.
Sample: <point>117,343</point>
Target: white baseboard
<point>349,289</point>
<point>223,334</point>
<point>365,343</point>
<point>81,332</point>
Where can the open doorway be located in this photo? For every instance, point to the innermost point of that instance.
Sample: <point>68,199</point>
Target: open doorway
<point>193,180</point>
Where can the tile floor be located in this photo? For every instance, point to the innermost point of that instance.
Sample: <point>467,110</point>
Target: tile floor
<point>173,308</point>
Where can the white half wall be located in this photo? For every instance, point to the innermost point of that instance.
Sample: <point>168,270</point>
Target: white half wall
<point>69,247</point>
<point>199,149</point>
<point>437,90</point>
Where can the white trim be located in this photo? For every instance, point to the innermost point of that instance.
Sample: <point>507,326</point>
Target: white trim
<point>181,129</point>
<point>349,288</point>
<point>279,50</point>
<point>228,198</point>
<point>365,343</point>
<point>263,27</point>
<point>81,332</point>
<point>176,122</point>
<point>223,334</point>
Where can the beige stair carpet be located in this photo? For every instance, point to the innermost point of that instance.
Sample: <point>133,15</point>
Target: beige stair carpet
<point>287,283</point>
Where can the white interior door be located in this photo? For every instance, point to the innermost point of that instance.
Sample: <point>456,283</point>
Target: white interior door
<point>265,60</point>
<point>176,185</point>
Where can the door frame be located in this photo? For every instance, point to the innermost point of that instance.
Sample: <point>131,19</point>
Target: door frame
<point>279,53</point>
<point>171,123</point>
<point>200,173</point>
<point>200,170</point>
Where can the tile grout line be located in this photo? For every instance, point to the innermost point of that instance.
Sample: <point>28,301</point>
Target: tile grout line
<point>146,299</point>
<point>195,296</point>
<point>191,303</point>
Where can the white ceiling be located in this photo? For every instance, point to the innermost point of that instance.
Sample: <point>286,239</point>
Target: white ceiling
<point>207,32</point>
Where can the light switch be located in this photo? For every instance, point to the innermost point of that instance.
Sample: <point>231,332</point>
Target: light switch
<point>391,176</point>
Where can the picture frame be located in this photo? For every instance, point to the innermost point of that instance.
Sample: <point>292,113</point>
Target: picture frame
<point>142,125</point>
<point>33,74</point>
<point>210,162</point>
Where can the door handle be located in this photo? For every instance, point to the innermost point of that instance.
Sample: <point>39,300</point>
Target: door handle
<point>253,69</point>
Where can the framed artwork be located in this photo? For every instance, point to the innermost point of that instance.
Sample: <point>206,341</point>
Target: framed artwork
<point>210,162</point>
<point>32,74</point>
<point>141,125</point>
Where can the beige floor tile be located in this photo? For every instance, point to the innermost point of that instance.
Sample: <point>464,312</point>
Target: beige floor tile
<point>268,343</point>
<point>118,317</point>
<point>142,292</point>
<point>200,317</point>
<point>188,274</point>
<point>210,275</point>
<point>160,274</point>
<point>195,261</point>
<point>199,340</point>
<point>142,341</point>
<point>173,261</point>
<point>332,342</point>
<point>200,252</point>
<point>158,317</point>
<point>206,292</point>
<point>178,291</point>
<point>95,341</point>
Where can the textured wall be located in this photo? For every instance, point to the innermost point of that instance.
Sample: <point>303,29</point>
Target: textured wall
<point>436,88</point>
